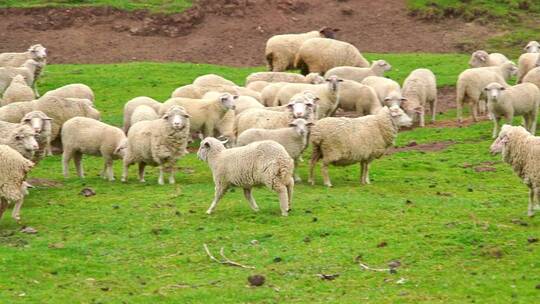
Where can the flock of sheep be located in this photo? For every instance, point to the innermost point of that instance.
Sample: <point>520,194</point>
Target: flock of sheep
<point>255,134</point>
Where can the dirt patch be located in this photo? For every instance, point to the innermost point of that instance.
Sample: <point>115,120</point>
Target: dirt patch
<point>228,32</point>
<point>42,182</point>
<point>429,147</point>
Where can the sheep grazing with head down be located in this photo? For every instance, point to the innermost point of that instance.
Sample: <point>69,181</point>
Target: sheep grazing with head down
<point>482,58</point>
<point>17,91</point>
<point>419,90</point>
<point>42,126</point>
<point>346,141</point>
<point>281,50</point>
<point>378,68</point>
<point>160,142</point>
<point>519,100</point>
<point>13,170</point>
<point>260,163</point>
<point>521,150</point>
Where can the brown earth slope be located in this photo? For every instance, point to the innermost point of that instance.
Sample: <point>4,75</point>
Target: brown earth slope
<point>228,32</point>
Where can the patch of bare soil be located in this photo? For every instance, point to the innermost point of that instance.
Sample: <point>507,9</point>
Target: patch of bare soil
<point>228,32</point>
<point>429,147</point>
<point>42,182</point>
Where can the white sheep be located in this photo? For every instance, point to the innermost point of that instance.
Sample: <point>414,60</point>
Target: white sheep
<point>532,47</point>
<point>383,86</point>
<point>17,91</point>
<point>210,80</point>
<point>312,78</point>
<point>533,76</point>
<point>197,92</point>
<point>142,113</point>
<point>346,141</point>
<point>419,90</point>
<point>27,70</point>
<point>318,55</point>
<point>19,137</point>
<point>471,83</point>
<point>268,94</point>
<point>188,91</point>
<point>482,58</point>
<point>159,142</point>
<point>359,98</point>
<point>132,104</point>
<point>74,90</point>
<point>519,100</point>
<point>241,103</point>
<point>36,52</point>
<point>378,68</point>
<point>42,126</point>
<point>258,85</point>
<point>294,139</point>
<point>13,170</point>
<point>205,113</point>
<point>259,163</point>
<point>281,50</point>
<point>521,150</point>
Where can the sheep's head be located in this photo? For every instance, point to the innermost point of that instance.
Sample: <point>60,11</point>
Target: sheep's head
<point>399,117</point>
<point>24,141</point>
<point>120,150</point>
<point>301,126</point>
<point>479,59</point>
<point>38,121</point>
<point>314,78</point>
<point>177,117</point>
<point>333,82</point>
<point>510,68</point>
<point>38,51</point>
<point>227,100</point>
<point>382,65</point>
<point>208,144</point>
<point>503,141</point>
<point>88,107</point>
<point>394,98</point>
<point>328,32</point>
<point>532,47</point>
<point>493,91</point>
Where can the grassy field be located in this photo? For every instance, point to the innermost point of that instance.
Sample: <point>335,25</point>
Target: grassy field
<point>161,6</point>
<point>460,235</point>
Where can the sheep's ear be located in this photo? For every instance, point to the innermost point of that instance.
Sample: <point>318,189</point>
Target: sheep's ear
<point>418,110</point>
<point>486,89</point>
<point>310,124</point>
<point>235,96</point>
<point>165,116</point>
<point>292,124</point>
<point>340,80</point>
<point>290,104</point>
<point>503,88</point>
<point>223,142</point>
<point>381,63</point>
<point>187,116</point>
<point>206,145</point>
<point>402,99</point>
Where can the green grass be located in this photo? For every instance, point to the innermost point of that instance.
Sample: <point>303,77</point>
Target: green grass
<point>453,229</point>
<point>161,6</point>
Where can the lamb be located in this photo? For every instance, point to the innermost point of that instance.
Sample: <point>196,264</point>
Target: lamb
<point>345,141</point>
<point>382,86</point>
<point>19,137</point>
<point>293,139</point>
<point>359,98</point>
<point>211,80</point>
<point>241,103</point>
<point>74,90</point>
<point>532,47</point>
<point>27,70</point>
<point>41,124</point>
<point>378,68</point>
<point>312,78</point>
<point>318,55</point>
<point>527,62</point>
<point>471,83</point>
<point>188,91</point>
<point>205,113</point>
<point>533,76</point>
<point>82,135</point>
<point>14,169</point>
<point>519,100</point>
<point>281,50</point>
<point>419,89</point>
<point>159,142</point>
<point>142,113</point>
<point>131,105</point>
<point>521,150</point>
<point>260,163</point>
<point>481,58</point>
<point>328,94</point>
<point>36,52</point>
<point>17,91</point>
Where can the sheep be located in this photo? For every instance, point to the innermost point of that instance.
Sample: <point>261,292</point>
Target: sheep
<point>142,113</point>
<point>481,58</point>
<point>378,68</point>
<point>258,85</point>
<point>188,91</point>
<point>82,135</point>
<point>241,103</point>
<point>519,100</point>
<point>268,94</point>
<point>41,124</point>
<point>312,78</point>
<point>382,86</point>
<point>211,80</point>
<point>197,92</point>
<point>281,50</point>
<point>521,150</point>
<point>19,137</point>
<point>533,76</point>
<point>532,47</point>
<point>131,105</point>
<point>419,89</point>
<point>74,90</point>
<point>345,141</point>
<point>318,55</point>
<point>14,168</point>
<point>328,94</point>
<point>27,70</point>
<point>260,163</point>
<point>205,113</point>
<point>17,91</point>
<point>359,98</point>
<point>294,139</point>
<point>471,83</point>
<point>527,62</point>
<point>36,52</point>
<point>59,109</point>
<point>160,142</point>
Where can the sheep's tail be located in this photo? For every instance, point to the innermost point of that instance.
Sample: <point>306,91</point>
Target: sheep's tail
<point>270,61</point>
<point>300,64</point>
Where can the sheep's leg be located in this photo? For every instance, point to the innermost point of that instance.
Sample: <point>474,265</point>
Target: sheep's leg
<point>422,122</point>
<point>283,200</point>
<point>536,205</point>
<point>3,206</point>
<point>77,158</point>
<point>103,173</point>
<point>66,157</point>
<point>161,179</point>
<point>530,209</point>
<point>315,156</point>
<point>108,170</point>
<point>474,111</point>
<point>532,126</point>
<point>496,121</point>
<point>219,192</point>
<point>48,149</point>
<point>326,176</point>
<point>297,177</point>
<point>433,110</point>
<point>141,172</point>
<point>364,166</point>
<point>16,213</point>
<point>172,172</point>
<point>125,170</point>
<point>290,190</point>
<point>208,130</point>
<point>250,199</point>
